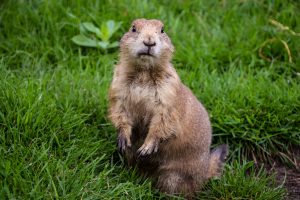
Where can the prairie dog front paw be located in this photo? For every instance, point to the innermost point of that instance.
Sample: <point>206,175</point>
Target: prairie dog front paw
<point>149,147</point>
<point>123,140</point>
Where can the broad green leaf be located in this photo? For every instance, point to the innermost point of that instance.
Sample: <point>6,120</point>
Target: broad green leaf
<point>82,29</point>
<point>103,44</point>
<point>108,29</point>
<point>84,41</point>
<point>105,32</point>
<point>118,26</point>
<point>113,45</point>
<point>92,28</point>
<point>112,26</point>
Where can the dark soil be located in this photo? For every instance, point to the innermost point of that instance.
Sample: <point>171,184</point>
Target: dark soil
<point>289,176</point>
<point>291,179</point>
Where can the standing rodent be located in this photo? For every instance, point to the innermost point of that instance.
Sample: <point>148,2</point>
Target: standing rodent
<point>163,129</point>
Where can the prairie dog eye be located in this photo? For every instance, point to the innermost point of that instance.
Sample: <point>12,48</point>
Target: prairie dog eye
<point>162,30</point>
<point>133,28</point>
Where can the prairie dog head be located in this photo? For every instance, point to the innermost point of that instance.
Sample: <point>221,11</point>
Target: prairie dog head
<point>146,44</point>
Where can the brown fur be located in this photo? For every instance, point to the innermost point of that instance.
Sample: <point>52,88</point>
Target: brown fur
<point>162,128</point>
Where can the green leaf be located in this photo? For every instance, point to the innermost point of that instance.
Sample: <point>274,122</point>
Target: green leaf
<point>103,44</point>
<point>82,29</point>
<point>113,45</point>
<point>110,24</point>
<point>84,41</point>
<point>108,29</point>
<point>113,26</point>
<point>92,28</point>
<point>105,33</point>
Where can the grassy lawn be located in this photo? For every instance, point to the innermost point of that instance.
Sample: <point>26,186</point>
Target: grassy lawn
<point>241,58</point>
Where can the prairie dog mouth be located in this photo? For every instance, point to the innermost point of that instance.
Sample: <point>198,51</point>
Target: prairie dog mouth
<point>146,52</point>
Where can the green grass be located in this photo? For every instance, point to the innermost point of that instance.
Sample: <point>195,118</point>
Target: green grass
<point>237,185</point>
<point>55,139</point>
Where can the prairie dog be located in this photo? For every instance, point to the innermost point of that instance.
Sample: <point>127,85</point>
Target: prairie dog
<point>163,129</point>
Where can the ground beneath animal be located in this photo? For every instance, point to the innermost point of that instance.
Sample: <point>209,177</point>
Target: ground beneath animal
<point>289,176</point>
<point>292,181</point>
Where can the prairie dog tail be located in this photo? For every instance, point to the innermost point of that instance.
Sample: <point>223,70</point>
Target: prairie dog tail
<point>217,160</point>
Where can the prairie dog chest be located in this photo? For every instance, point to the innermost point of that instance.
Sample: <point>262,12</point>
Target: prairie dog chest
<point>143,94</point>
<point>141,100</point>
<point>145,97</point>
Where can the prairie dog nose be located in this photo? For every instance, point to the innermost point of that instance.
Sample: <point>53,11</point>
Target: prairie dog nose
<point>149,42</point>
